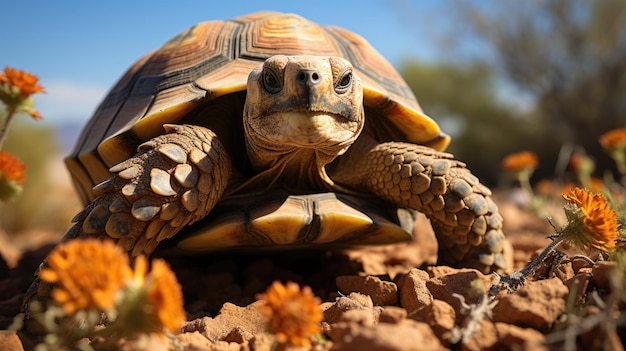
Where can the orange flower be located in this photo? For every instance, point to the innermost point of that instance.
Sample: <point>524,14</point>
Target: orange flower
<point>152,302</point>
<point>11,169</point>
<point>545,187</point>
<point>16,88</point>
<point>293,314</point>
<point>35,114</point>
<point>164,295</point>
<point>22,80</point>
<point>87,273</point>
<point>520,161</point>
<point>596,184</point>
<point>599,221</point>
<point>12,175</point>
<point>613,139</point>
<point>581,163</point>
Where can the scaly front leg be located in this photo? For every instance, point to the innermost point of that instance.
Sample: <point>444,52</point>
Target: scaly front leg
<point>174,180</point>
<point>465,219</point>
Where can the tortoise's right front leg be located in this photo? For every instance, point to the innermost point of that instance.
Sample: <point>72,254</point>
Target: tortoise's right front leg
<point>174,180</point>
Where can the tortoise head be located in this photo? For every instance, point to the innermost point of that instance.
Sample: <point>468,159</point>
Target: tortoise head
<point>301,107</point>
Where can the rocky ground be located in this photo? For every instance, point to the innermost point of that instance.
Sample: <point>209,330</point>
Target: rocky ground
<point>377,298</point>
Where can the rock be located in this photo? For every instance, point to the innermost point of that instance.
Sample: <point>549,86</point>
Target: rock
<point>382,292</point>
<point>361,299</point>
<point>262,342</point>
<point>412,290</point>
<point>237,335</point>
<point>554,265</point>
<point>399,258</point>
<point>439,315</point>
<point>232,324</point>
<point>333,312</point>
<point>425,246</point>
<point>405,336</point>
<point>438,271</point>
<point>602,272</point>
<point>361,317</point>
<point>469,283</point>
<point>193,341</point>
<point>512,337</point>
<point>219,346</point>
<point>372,260</point>
<point>146,342</point>
<point>267,342</point>
<point>578,264</point>
<point>537,305</point>
<point>579,283</point>
<point>9,341</point>
<point>392,314</point>
<point>482,338</point>
<point>564,271</point>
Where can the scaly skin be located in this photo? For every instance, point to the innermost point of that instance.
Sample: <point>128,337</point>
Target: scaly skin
<point>174,180</point>
<point>465,219</point>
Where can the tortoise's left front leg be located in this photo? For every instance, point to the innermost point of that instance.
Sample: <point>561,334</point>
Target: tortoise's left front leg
<point>174,180</point>
<point>465,219</point>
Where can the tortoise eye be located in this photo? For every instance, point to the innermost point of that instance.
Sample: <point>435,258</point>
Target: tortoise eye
<point>343,84</point>
<point>271,82</point>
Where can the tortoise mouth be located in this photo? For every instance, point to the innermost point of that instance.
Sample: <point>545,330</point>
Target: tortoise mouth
<point>304,129</point>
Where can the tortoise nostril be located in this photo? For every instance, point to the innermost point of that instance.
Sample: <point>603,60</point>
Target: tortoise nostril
<point>308,77</point>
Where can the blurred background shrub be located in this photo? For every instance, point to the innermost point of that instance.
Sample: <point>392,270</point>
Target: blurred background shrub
<point>547,76</point>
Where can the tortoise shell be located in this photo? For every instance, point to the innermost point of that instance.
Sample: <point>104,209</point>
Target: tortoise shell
<point>213,59</point>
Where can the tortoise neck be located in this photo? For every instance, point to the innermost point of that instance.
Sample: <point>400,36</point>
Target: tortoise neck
<point>299,169</point>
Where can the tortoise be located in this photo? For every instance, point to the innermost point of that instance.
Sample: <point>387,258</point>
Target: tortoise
<point>269,131</point>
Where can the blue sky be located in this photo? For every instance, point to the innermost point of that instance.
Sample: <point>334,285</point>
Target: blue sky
<point>80,48</point>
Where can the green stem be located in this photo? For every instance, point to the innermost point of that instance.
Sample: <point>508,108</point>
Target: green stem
<point>524,181</point>
<point>584,179</point>
<point>620,160</point>
<point>5,126</point>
